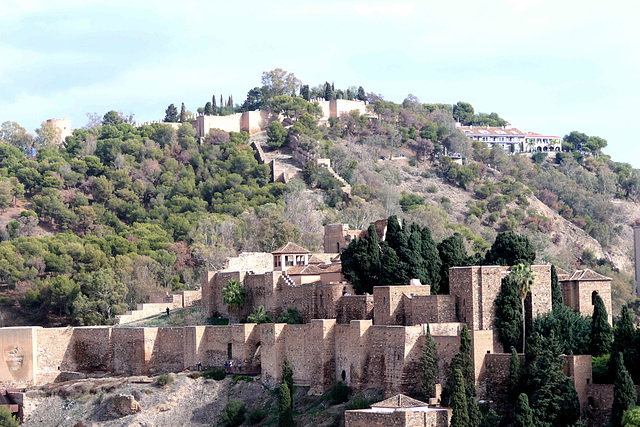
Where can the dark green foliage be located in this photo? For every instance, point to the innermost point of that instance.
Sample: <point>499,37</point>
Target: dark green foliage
<point>624,392</point>
<point>6,419</point>
<point>509,314</point>
<point>285,407</point>
<point>624,341</point>
<point>171,114</point>
<point>339,392</point>
<point>259,316</point>
<point>539,157</point>
<point>276,134</point>
<point>601,333</point>
<point>513,380</point>
<point>523,416</point>
<point>458,402</point>
<point>572,329</point>
<point>428,366</point>
<point>164,380</point>
<point>490,418</point>
<point>409,201</point>
<point>215,374</point>
<point>556,293</point>
<point>290,316</point>
<point>603,369</point>
<point>511,249</point>
<point>254,417</point>
<point>452,254</point>
<point>234,413</point>
<point>287,376</point>
<point>359,402</point>
<point>361,262</point>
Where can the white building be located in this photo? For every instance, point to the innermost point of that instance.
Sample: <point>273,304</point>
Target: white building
<point>510,139</point>
<point>536,142</point>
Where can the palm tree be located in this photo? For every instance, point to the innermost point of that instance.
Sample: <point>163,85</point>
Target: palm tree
<point>233,295</point>
<point>259,315</point>
<point>524,278</point>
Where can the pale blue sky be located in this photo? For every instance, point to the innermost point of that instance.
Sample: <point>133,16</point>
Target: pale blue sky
<point>546,66</point>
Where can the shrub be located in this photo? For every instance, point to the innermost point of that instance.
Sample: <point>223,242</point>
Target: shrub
<point>290,316</point>
<point>244,378</point>
<point>6,419</point>
<point>164,380</point>
<point>256,416</point>
<point>339,392</point>
<point>6,301</point>
<point>359,402</point>
<point>432,189</point>
<point>194,375</point>
<point>234,412</point>
<point>215,374</point>
<point>539,157</point>
<point>602,374</point>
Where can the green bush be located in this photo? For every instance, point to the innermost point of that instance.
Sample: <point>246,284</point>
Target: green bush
<point>432,189</point>
<point>6,419</point>
<point>359,402</point>
<point>234,412</point>
<point>339,392</point>
<point>244,378</point>
<point>291,316</point>
<point>215,374</point>
<point>6,301</point>
<point>164,380</point>
<point>602,374</point>
<point>256,416</point>
<point>194,375</point>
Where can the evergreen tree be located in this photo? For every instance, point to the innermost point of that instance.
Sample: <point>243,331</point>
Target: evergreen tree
<point>601,334</point>
<point>511,249</point>
<point>513,380</point>
<point>372,267</point>
<point>412,256</point>
<point>328,92</point>
<point>523,416</point>
<point>509,314</point>
<point>214,107</point>
<point>392,270</point>
<point>624,393</point>
<point>431,259</point>
<point>395,235</point>
<point>361,262</point>
<point>304,92</point>
<point>460,416</point>
<point>285,406</point>
<point>624,341</point>
<point>207,109</point>
<point>556,293</point>
<point>452,254</point>
<point>490,419</point>
<point>183,114</point>
<point>361,96</point>
<point>171,114</point>
<point>221,103</point>
<point>287,376</point>
<point>428,365</point>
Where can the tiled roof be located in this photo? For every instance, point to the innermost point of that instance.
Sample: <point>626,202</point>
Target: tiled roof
<point>537,135</point>
<point>291,248</point>
<point>487,130</point>
<point>561,273</point>
<point>587,275</point>
<point>314,269</point>
<point>315,260</point>
<point>399,401</point>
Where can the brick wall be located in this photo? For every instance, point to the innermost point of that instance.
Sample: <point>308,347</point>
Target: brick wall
<point>354,307</point>
<point>389,303</point>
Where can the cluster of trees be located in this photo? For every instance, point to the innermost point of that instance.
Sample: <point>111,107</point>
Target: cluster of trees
<point>464,114</point>
<point>578,141</point>
<point>410,252</point>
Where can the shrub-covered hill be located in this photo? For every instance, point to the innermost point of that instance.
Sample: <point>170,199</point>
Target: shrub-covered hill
<point>90,228</point>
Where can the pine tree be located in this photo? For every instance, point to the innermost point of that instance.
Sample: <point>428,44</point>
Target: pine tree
<point>304,92</point>
<point>285,407</point>
<point>624,393</point>
<point>460,416</point>
<point>601,334</point>
<point>287,376</point>
<point>183,114</point>
<point>523,416</point>
<point>361,96</point>
<point>513,380</point>
<point>171,114</point>
<point>428,365</point>
<point>556,293</point>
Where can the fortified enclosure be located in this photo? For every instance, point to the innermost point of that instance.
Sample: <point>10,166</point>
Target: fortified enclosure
<point>365,340</point>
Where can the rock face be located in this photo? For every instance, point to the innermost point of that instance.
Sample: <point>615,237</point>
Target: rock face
<point>122,405</point>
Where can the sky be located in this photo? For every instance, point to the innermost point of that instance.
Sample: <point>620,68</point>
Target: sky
<point>546,66</point>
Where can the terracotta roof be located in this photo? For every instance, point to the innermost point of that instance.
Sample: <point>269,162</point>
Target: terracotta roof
<point>315,260</point>
<point>314,269</point>
<point>399,401</point>
<point>560,272</point>
<point>587,275</point>
<point>537,135</point>
<point>291,248</point>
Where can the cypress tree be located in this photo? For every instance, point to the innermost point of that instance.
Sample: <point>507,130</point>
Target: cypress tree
<point>509,314</point>
<point>287,376</point>
<point>428,365</point>
<point>221,102</point>
<point>371,266</point>
<point>183,114</point>
<point>394,233</point>
<point>523,416</point>
<point>460,416</point>
<point>412,256</point>
<point>556,293</point>
<point>361,96</point>
<point>624,341</point>
<point>285,409</point>
<point>214,107</point>
<point>601,334</point>
<point>431,258</point>
<point>452,254</point>
<point>513,380</point>
<point>624,393</point>
<point>208,109</point>
<point>392,270</point>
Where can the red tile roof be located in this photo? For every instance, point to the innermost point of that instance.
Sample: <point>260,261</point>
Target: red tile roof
<point>291,248</point>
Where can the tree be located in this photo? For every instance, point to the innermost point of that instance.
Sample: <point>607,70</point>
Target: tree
<point>631,417</point>
<point>523,416</point>
<point>624,392</point>
<point>290,316</point>
<point>234,295</point>
<point>7,419</point>
<point>452,254</point>
<point>601,333</point>
<point>575,141</point>
<point>511,249</point>
<point>112,118</point>
<point>304,92</point>
<point>259,316</point>
<point>183,114</point>
<point>556,293</point>
<point>328,92</point>
<point>48,135</point>
<point>463,113</point>
<point>285,409</point>
<point>428,365</point>
<point>513,380</point>
<point>508,313</point>
<point>279,82</point>
<point>14,134</point>
<point>234,413</point>
<point>524,279</point>
<point>361,95</point>
<point>171,114</point>
<point>208,110</point>
<point>276,135</point>
<point>624,339</point>
<point>460,417</point>
<point>287,376</point>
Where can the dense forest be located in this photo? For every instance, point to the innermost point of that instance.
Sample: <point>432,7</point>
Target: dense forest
<point>117,211</point>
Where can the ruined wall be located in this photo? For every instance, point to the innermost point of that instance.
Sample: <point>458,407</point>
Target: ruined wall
<point>19,352</point>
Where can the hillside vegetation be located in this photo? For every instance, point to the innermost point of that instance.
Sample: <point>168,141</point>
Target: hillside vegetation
<point>91,227</point>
